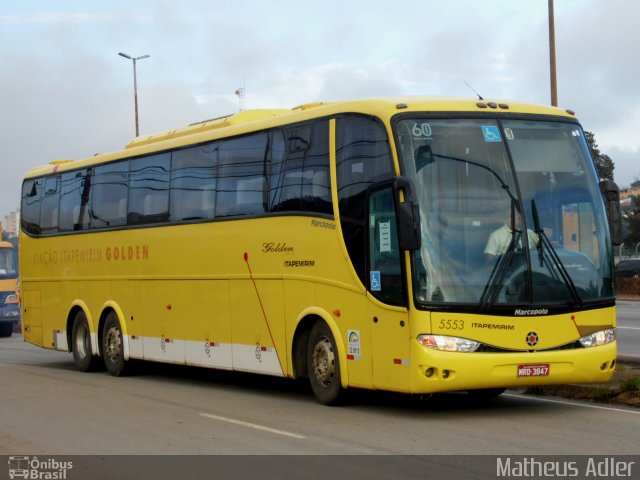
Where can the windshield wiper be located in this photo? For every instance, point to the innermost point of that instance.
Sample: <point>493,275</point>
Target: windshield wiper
<point>494,284</point>
<point>545,244</point>
<point>466,161</point>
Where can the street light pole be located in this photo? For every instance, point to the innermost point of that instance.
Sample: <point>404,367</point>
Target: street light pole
<point>135,85</point>
<point>552,57</point>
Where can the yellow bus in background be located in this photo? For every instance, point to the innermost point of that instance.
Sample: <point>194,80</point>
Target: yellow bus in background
<point>9,300</point>
<point>344,242</point>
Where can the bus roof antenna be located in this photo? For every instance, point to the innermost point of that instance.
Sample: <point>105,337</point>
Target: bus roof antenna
<point>473,90</point>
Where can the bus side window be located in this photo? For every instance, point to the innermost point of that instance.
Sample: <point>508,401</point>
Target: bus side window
<point>109,186</point>
<point>242,176</point>
<point>193,183</point>
<point>301,183</point>
<point>30,211</point>
<point>73,201</point>
<point>50,205</point>
<point>363,158</point>
<point>149,189</point>
<point>316,187</point>
<point>276,162</point>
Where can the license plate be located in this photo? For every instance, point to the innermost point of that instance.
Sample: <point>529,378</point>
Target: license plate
<point>533,370</point>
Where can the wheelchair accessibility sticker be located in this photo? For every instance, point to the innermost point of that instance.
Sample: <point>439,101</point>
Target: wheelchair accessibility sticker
<point>491,133</point>
<point>375,282</point>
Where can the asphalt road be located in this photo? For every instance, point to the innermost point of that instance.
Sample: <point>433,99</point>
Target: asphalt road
<point>47,407</point>
<point>628,329</point>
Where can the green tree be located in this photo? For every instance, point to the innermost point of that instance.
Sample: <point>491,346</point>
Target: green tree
<point>604,163</point>
<point>632,218</point>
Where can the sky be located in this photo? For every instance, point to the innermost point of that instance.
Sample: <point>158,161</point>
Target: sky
<point>66,93</point>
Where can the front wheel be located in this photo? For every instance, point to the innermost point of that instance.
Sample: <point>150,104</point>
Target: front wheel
<point>323,365</point>
<point>6,329</point>
<point>113,347</point>
<point>83,357</point>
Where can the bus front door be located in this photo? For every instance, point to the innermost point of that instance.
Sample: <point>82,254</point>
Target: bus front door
<point>387,294</point>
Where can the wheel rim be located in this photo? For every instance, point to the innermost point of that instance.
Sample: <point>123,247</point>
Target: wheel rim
<point>324,361</point>
<point>82,341</point>
<point>112,344</point>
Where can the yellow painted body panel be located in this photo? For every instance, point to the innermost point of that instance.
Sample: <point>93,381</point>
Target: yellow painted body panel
<point>231,294</point>
<point>499,370</point>
<point>223,278</point>
<point>512,332</point>
<point>32,314</point>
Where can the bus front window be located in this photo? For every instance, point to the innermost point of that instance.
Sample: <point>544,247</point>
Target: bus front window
<point>510,213</point>
<point>560,192</point>
<point>8,266</point>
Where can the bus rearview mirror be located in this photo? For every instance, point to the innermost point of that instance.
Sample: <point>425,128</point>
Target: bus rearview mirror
<point>611,195</point>
<point>407,214</point>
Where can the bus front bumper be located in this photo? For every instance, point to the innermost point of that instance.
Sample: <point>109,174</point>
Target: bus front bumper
<point>438,371</point>
<point>10,312</point>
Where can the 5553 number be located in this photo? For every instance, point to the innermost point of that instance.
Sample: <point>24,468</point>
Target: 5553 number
<point>451,324</point>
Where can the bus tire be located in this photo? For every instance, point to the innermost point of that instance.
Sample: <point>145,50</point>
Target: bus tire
<point>6,329</point>
<point>323,365</point>
<point>113,347</point>
<point>83,357</point>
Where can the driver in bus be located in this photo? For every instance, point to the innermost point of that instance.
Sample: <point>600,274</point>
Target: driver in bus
<point>500,239</point>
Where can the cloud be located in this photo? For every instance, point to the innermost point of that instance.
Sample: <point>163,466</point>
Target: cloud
<point>627,167</point>
<point>53,18</point>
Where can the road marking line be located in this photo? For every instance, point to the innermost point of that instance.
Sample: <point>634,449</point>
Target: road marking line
<point>628,328</point>
<point>565,402</point>
<point>253,425</point>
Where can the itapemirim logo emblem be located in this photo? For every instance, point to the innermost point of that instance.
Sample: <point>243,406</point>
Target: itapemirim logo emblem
<point>532,339</point>
<point>37,469</point>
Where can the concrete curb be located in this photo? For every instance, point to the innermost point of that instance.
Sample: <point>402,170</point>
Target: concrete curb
<point>629,360</point>
<point>628,298</point>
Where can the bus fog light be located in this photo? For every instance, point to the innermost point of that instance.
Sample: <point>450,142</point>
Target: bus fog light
<point>598,338</point>
<point>448,344</point>
<point>429,372</point>
<point>445,374</point>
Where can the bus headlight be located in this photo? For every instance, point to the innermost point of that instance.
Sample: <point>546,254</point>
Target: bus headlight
<point>448,344</point>
<point>598,338</point>
<point>13,298</point>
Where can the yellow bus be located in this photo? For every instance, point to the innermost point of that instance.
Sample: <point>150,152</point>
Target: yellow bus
<point>9,301</point>
<point>344,242</point>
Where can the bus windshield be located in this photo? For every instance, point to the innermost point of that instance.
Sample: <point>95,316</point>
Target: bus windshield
<point>510,213</point>
<point>8,265</point>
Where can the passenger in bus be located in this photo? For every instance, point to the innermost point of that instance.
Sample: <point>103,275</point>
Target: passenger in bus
<point>500,238</point>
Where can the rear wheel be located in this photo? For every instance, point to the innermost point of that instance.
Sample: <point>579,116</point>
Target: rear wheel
<point>323,365</point>
<point>113,347</point>
<point>83,356</point>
